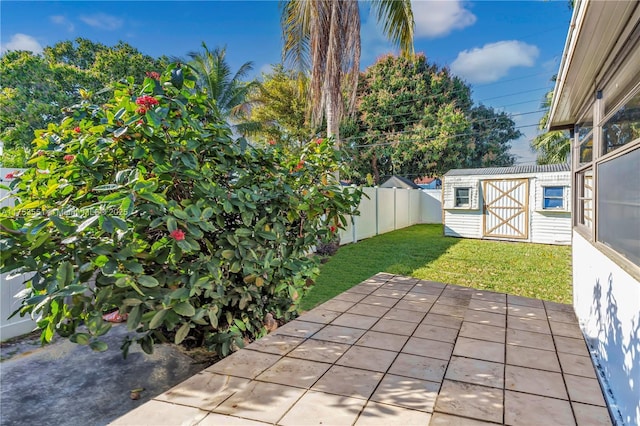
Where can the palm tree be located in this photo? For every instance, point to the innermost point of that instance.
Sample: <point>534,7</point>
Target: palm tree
<point>552,147</point>
<point>322,37</point>
<point>217,80</point>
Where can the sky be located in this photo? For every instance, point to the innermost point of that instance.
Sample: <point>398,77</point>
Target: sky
<point>507,51</point>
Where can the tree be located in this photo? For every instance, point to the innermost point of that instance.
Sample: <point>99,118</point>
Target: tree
<point>322,37</point>
<point>491,133</point>
<point>35,88</point>
<point>551,147</point>
<point>34,91</point>
<point>278,111</point>
<point>144,205</point>
<point>221,84</point>
<point>410,113</point>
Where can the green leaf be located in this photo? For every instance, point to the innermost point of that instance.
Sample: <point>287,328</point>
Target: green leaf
<point>80,338</point>
<point>172,225</point>
<point>120,131</point>
<point>153,197</point>
<point>148,281</point>
<point>157,319</point>
<point>133,319</point>
<point>153,118</point>
<point>64,274</point>
<point>228,254</point>
<point>98,346</point>
<point>87,223</point>
<point>182,333</point>
<point>134,267</point>
<point>107,187</point>
<point>185,309</point>
<point>213,317</point>
<point>241,325</point>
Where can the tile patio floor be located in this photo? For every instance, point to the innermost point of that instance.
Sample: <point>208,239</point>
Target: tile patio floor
<point>395,350</point>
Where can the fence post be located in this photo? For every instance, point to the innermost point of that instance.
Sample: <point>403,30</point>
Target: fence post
<point>377,199</point>
<point>395,208</point>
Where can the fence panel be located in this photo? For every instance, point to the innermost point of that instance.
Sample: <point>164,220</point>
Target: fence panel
<point>386,210</point>
<point>403,207</point>
<point>431,206</point>
<point>17,325</point>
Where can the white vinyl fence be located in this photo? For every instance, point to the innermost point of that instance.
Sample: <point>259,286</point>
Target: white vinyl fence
<point>9,287</point>
<point>387,209</point>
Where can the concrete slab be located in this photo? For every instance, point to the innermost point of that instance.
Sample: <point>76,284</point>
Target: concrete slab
<point>68,384</point>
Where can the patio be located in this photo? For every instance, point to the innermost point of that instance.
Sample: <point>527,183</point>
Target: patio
<point>397,350</point>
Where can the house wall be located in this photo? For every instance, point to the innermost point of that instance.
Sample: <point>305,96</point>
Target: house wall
<point>607,303</point>
<point>545,226</point>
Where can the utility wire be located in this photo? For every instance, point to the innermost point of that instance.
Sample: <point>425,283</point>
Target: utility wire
<point>426,139</point>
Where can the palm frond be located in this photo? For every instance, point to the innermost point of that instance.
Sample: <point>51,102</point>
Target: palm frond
<point>397,21</point>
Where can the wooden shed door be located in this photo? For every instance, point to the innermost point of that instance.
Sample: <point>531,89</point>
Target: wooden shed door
<point>506,208</point>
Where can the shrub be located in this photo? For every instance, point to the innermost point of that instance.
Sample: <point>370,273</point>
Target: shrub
<point>147,205</point>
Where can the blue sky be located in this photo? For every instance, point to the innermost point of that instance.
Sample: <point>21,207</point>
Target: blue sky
<point>506,50</point>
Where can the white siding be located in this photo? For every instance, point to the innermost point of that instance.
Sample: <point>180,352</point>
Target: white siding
<point>607,303</point>
<point>545,226</point>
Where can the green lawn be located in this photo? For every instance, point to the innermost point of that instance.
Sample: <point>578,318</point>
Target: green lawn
<point>421,251</point>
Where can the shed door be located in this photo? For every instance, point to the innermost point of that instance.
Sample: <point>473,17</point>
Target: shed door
<point>506,208</point>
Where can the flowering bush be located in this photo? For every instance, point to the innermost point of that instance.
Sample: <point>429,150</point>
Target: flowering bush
<point>147,206</point>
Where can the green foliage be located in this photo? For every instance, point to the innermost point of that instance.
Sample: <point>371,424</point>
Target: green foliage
<point>491,133</point>
<point>14,158</point>
<point>551,147</point>
<point>278,110</point>
<point>36,88</point>
<point>413,108</point>
<point>221,85</point>
<point>146,205</point>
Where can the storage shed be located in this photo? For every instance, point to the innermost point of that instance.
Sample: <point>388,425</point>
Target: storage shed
<point>519,203</point>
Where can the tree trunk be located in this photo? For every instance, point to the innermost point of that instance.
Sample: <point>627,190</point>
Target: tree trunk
<point>333,129</point>
<point>374,166</point>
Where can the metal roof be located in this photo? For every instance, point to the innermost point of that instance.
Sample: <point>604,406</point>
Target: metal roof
<point>399,182</point>
<point>547,168</point>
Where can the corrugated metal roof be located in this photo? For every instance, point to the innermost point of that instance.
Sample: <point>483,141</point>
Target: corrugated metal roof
<point>547,168</point>
<point>399,182</point>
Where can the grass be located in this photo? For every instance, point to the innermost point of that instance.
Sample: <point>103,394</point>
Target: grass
<point>421,251</point>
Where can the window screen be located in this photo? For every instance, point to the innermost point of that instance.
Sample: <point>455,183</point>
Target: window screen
<point>619,204</point>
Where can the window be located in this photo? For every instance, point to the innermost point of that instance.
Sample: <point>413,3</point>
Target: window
<point>553,198</point>
<point>623,127</point>
<point>462,197</point>
<point>619,205</point>
<point>585,198</point>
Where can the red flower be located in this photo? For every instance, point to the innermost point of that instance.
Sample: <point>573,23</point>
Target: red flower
<point>141,110</point>
<point>68,158</point>
<point>40,153</point>
<point>77,129</point>
<point>177,235</point>
<point>272,142</point>
<point>300,165</point>
<point>140,122</point>
<point>332,229</point>
<point>154,75</point>
<point>147,101</point>
<point>10,175</point>
<point>319,141</point>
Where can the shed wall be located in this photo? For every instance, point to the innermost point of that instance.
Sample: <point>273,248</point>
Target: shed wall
<point>545,226</point>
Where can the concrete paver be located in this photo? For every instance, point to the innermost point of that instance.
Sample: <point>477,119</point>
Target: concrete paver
<point>400,351</point>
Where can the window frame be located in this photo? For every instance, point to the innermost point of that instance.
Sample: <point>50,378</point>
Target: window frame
<point>562,198</point>
<point>455,197</point>
<point>601,116</point>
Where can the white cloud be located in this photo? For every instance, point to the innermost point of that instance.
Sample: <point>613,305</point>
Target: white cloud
<point>21,42</point>
<point>102,21</point>
<point>493,61</point>
<point>439,18</point>
<point>63,21</point>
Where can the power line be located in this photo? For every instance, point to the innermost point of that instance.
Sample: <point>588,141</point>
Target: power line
<point>426,139</point>
<point>419,120</point>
